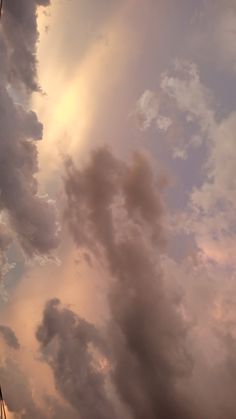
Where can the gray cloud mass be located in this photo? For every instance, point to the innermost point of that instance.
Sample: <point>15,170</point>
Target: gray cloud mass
<point>66,343</point>
<point>19,30</point>
<point>115,209</point>
<point>30,217</point>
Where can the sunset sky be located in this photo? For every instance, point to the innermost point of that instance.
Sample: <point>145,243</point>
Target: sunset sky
<point>117,209</point>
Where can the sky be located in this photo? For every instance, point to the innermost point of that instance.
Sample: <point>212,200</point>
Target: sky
<point>117,209</point>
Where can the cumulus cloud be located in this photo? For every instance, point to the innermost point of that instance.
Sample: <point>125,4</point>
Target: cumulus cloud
<point>30,216</point>
<point>212,204</point>
<point>180,93</point>
<point>165,344</point>
<point>163,353</point>
<point>210,213</point>
<point>19,29</point>
<point>106,182</point>
<point>147,111</point>
<point>121,211</point>
<point>67,343</point>
<point>210,217</point>
<point>191,96</point>
<point>26,218</point>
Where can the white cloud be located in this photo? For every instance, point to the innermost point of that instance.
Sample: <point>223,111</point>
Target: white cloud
<point>212,205</point>
<point>190,95</point>
<point>147,109</point>
<point>210,214</point>
<point>179,153</point>
<point>163,123</point>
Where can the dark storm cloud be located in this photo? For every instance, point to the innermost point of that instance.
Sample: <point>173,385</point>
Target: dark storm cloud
<point>9,337</point>
<point>147,336</point>
<point>101,185</point>
<point>30,216</point>
<point>67,344</point>
<point>118,207</point>
<point>19,28</point>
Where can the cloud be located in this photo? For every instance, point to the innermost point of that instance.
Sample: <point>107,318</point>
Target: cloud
<point>22,399</point>
<point>191,96</point>
<point>212,204</point>
<point>148,357</point>
<point>211,207</point>
<point>208,304</point>
<point>147,109</point>
<point>208,276</point>
<point>116,207</point>
<point>101,184</point>
<point>21,372</point>
<point>67,343</point>
<point>30,217</point>
<point>171,327</point>
<point>19,29</point>
<point>9,337</point>
<point>180,93</point>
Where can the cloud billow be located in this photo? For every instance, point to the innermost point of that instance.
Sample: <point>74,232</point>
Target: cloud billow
<point>19,30</point>
<point>67,343</point>
<point>115,210</point>
<point>29,216</point>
